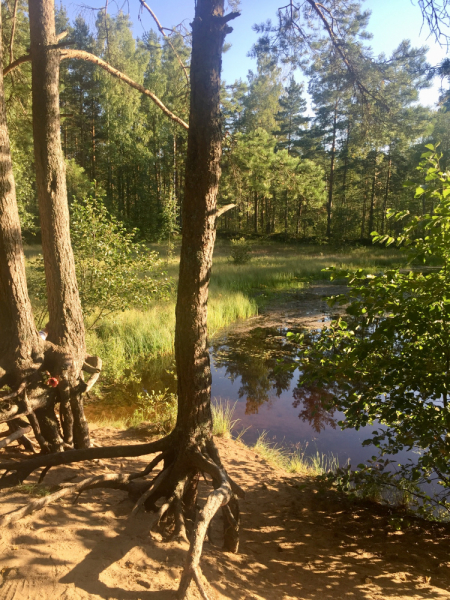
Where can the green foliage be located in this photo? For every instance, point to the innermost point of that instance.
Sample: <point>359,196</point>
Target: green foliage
<point>388,360</point>
<point>78,184</point>
<point>240,251</point>
<point>114,272</point>
<point>159,409</point>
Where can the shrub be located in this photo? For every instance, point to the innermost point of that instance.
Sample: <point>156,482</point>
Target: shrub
<point>388,361</point>
<point>240,251</point>
<point>160,409</point>
<point>114,271</point>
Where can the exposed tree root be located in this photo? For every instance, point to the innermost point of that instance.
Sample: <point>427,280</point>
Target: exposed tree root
<point>15,435</point>
<point>171,495</point>
<point>53,383</point>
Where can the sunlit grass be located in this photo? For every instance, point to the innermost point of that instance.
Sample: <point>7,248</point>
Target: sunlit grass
<point>222,417</point>
<point>277,267</point>
<point>129,337</point>
<point>297,462</point>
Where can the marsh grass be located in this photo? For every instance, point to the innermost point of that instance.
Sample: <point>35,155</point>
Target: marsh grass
<point>280,267</point>
<point>222,417</point>
<point>297,462</point>
<point>129,341</point>
<point>133,337</point>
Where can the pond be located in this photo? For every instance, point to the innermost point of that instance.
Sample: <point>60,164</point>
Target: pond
<point>245,373</point>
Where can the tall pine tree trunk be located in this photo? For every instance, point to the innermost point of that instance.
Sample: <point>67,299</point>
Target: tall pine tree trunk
<point>66,326</point>
<point>21,349</point>
<point>331,183</point>
<point>372,196</point>
<point>386,192</point>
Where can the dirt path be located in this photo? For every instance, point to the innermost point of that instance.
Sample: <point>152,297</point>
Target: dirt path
<point>296,542</point>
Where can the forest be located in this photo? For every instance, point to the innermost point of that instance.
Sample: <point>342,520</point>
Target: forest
<point>332,170</point>
<point>224,303</point>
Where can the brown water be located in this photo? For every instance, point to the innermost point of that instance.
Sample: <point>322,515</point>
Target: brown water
<point>245,370</point>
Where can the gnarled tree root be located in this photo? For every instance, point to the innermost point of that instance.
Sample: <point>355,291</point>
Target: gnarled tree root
<point>171,494</point>
<point>53,383</point>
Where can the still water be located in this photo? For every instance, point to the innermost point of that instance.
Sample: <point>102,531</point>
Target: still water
<point>244,371</point>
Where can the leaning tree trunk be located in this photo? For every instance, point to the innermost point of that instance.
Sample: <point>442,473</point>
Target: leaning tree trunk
<point>66,327</point>
<point>189,450</point>
<point>22,351</point>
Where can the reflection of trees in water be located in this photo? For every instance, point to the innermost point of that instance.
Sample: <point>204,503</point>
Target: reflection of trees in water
<point>317,407</point>
<point>254,357</point>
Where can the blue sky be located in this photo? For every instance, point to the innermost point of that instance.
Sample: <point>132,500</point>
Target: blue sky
<point>391,22</point>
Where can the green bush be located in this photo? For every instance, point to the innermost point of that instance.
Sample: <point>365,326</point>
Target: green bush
<point>114,271</point>
<point>388,360</point>
<point>160,409</point>
<point>240,251</point>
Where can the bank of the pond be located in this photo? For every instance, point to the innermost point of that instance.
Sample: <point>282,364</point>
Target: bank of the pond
<point>129,342</point>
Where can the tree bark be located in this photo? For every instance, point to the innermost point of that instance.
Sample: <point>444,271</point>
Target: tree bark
<point>66,325</point>
<point>204,151</point>
<point>21,348</point>
<point>386,192</point>
<point>372,197</point>
<point>331,185</point>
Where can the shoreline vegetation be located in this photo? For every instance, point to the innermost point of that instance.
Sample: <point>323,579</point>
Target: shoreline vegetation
<point>128,340</point>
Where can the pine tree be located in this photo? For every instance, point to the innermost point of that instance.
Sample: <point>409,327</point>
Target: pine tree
<point>290,118</point>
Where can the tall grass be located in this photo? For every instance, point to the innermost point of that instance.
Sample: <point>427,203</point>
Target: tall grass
<point>294,462</point>
<point>277,267</point>
<point>222,417</point>
<point>128,338</point>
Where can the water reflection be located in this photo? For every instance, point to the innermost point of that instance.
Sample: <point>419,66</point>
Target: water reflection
<point>254,358</point>
<point>316,407</point>
<point>263,361</point>
<point>257,370</point>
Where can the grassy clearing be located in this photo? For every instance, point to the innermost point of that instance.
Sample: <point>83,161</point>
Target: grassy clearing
<point>279,267</point>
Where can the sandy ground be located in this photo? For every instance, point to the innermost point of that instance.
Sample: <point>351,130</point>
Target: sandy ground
<point>296,542</point>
